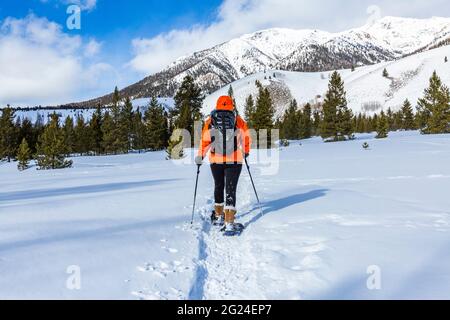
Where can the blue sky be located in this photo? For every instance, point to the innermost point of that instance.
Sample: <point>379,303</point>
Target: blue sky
<point>115,22</point>
<point>110,16</point>
<point>120,42</point>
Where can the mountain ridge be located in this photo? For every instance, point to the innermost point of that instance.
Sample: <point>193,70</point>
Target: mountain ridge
<point>307,50</point>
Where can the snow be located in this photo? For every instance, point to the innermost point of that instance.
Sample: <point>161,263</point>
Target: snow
<point>408,34</point>
<point>45,114</point>
<point>330,213</point>
<point>144,102</point>
<point>86,113</point>
<point>272,45</point>
<point>396,35</point>
<point>365,85</point>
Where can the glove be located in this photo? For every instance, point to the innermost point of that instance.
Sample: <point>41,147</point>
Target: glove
<point>199,160</point>
<point>247,155</point>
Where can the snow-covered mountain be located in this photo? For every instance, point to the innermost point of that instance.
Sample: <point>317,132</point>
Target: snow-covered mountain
<point>367,90</point>
<point>294,50</point>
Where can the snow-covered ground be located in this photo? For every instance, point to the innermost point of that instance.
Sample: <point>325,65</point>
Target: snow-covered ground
<point>365,86</point>
<point>330,213</point>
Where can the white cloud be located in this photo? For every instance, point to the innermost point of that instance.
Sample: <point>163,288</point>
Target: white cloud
<point>236,17</point>
<point>40,64</point>
<point>92,48</point>
<point>84,4</point>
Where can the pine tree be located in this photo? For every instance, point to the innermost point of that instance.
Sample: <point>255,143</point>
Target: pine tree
<point>139,131</point>
<point>230,91</point>
<point>385,73</point>
<point>28,132</point>
<point>38,129</point>
<point>51,149</point>
<point>188,105</point>
<point>418,119</point>
<point>96,133</point>
<point>69,134</point>
<point>407,114</point>
<point>231,94</point>
<point>108,132</point>
<point>263,117</point>
<point>23,156</point>
<point>249,111</point>
<point>345,126</point>
<point>17,141</point>
<point>289,126</point>
<point>81,134</point>
<point>264,110</point>
<point>170,124</point>
<point>360,127</point>
<point>117,143</point>
<point>336,122</point>
<point>373,124</point>
<point>391,119</point>
<point>382,126</point>
<point>125,137</point>
<point>156,127</point>
<point>316,122</point>
<point>368,124</point>
<point>434,107</point>
<point>165,131</point>
<point>305,122</point>
<point>8,143</point>
<point>115,108</point>
<point>398,121</point>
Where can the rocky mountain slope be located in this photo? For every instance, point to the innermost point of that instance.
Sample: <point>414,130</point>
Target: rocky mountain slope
<point>387,39</point>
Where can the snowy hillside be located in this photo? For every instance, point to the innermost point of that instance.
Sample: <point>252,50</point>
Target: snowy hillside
<point>387,38</point>
<point>331,213</point>
<point>408,35</point>
<point>292,50</point>
<point>366,88</point>
<point>44,114</point>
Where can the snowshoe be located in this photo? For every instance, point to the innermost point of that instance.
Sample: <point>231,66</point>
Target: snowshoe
<point>217,221</point>
<point>232,229</point>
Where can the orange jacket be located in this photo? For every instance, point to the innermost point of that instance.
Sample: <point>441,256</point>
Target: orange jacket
<point>243,137</point>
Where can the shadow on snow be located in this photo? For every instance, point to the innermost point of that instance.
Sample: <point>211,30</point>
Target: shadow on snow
<point>279,204</point>
<point>97,188</point>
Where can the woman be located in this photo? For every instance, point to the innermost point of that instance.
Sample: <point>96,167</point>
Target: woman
<point>225,135</point>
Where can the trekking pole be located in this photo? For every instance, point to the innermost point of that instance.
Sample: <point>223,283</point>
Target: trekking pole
<point>195,194</point>
<point>254,189</point>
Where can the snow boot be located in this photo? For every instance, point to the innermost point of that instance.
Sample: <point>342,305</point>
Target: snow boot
<point>230,215</point>
<point>231,228</point>
<point>218,216</point>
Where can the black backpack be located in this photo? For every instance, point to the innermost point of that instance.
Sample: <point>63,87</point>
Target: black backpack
<point>223,132</point>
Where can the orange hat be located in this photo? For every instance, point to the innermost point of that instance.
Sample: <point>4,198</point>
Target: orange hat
<point>225,103</point>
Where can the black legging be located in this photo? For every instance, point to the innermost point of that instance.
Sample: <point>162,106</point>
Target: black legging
<point>226,176</point>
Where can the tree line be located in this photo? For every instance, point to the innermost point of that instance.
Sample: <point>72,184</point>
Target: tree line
<point>334,121</point>
<point>119,129</point>
<point>115,129</point>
